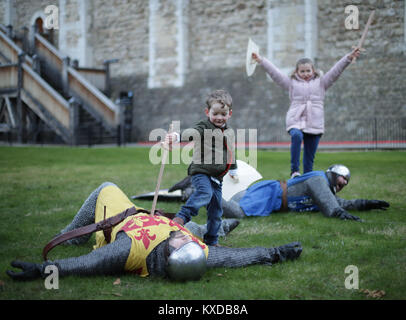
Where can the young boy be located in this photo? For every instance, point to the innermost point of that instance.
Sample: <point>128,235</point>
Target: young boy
<point>213,157</point>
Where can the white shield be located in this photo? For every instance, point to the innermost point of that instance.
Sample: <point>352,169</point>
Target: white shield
<point>250,63</point>
<point>246,176</point>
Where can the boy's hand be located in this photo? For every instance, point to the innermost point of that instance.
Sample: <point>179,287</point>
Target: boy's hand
<point>256,57</point>
<point>170,138</point>
<point>235,178</point>
<point>233,173</point>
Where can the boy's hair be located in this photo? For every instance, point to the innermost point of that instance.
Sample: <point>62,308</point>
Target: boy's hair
<point>304,61</point>
<point>220,96</point>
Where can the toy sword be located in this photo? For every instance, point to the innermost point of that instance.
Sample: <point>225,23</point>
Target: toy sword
<point>364,34</point>
<point>161,171</point>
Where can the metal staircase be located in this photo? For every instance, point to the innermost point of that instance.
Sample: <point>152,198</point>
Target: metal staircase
<point>42,93</point>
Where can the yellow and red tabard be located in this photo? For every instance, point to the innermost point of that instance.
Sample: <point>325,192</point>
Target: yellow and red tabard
<point>145,231</point>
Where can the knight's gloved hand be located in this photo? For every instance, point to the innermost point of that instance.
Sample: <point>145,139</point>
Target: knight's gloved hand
<point>290,251</point>
<point>376,204</point>
<point>29,271</point>
<point>344,215</point>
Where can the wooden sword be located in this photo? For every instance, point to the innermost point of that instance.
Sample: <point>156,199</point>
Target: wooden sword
<point>364,34</point>
<point>161,171</point>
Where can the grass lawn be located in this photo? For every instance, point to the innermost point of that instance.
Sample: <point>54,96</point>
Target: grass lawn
<point>43,187</point>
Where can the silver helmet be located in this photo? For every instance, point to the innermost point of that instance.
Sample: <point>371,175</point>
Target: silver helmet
<point>187,262</point>
<point>340,170</point>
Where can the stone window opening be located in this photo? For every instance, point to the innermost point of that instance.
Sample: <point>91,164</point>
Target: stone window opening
<point>37,25</point>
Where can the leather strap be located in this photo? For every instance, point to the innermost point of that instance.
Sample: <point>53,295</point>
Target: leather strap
<point>284,187</point>
<point>107,232</point>
<point>106,225</point>
<point>168,215</point>
<point>102,225</point>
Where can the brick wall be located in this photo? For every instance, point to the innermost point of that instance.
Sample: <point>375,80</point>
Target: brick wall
<point>2,12</point>
<point>121,31</point>
<point>216,35</point>
<point>375,85</point>
<point>25,9</point>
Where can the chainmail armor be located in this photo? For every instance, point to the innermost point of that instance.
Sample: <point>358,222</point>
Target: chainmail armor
<point>157,260</point>
<point>231,208</point>
<point>85,216</point>
<point>315,187</point>
<point>109,259</point>
<point>356,204</point>
<point>239,257</point>
<point>319,190</point>
<point>200,230</point>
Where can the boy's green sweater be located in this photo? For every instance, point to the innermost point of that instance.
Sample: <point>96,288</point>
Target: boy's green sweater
<point>219,145</point>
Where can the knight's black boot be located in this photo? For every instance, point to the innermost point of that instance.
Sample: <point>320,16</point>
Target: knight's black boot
<point>288,251</point>
<point>229,225</point>
<point>182,185</point>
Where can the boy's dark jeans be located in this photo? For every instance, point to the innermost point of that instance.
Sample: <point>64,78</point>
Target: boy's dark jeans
<point>207,193</point>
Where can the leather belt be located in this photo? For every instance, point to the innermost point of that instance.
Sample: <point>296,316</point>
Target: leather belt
<point>106,225</point>
<point>284,187</point>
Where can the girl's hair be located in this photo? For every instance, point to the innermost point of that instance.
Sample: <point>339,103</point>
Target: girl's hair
<point>304,61</point>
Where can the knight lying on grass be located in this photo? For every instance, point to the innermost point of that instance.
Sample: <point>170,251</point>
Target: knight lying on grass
<point>313,191</point>
<point>148,245</point>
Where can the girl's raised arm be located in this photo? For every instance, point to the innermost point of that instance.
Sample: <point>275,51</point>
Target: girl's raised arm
<point>276,75</point>
<point>333,74</point>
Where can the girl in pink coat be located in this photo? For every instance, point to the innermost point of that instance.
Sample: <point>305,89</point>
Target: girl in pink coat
<point>305,117</point>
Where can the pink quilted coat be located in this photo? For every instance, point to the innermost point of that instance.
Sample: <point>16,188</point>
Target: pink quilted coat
<point>306,111</point>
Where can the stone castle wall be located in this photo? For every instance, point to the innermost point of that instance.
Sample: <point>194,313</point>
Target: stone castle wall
<point>174,52</point>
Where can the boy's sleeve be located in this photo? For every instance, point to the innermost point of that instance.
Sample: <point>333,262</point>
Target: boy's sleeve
<point>194,133</point>
<point>233,168</point>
